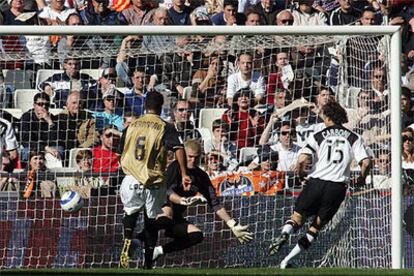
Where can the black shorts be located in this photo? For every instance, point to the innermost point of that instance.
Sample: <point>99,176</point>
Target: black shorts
<point>178,229</point>
<point>321,198</point>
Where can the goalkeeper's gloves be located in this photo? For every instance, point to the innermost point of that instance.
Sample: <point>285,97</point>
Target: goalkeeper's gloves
<point>240,231</point>
<point>192,201</point>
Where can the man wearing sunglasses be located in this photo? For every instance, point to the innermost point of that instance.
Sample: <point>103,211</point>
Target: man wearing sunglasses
<point>106,85</point>
<point>38,129</point>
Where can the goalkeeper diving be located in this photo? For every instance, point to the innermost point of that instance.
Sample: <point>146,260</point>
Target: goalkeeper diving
<point>183,233</point>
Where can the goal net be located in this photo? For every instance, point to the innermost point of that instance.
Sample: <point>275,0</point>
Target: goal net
<point>220,89</point>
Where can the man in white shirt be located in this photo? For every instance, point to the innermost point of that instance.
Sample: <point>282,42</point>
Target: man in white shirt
<point>288,151</point>
<point>246,77</point>
<point>335,147</point>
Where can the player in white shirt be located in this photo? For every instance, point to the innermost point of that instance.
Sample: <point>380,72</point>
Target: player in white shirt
<point>8,143</point>
<point>334,147</point>
<point>246,77</point>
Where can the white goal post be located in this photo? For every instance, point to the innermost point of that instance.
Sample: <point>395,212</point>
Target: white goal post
<point>395,80</point>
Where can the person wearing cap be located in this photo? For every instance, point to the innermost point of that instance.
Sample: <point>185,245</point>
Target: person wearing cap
<point>106,85</point>
<point>179,13</point>
<point>139,13</point>
<point>288,151</point>
<point>99,14</point>
<point>109,116</point>
<point>59,85</point>
<point>245,78</point>
<point>244,122</point>
<point>307,15</point>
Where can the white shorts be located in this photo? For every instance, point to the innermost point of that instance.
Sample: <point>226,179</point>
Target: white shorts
<point>135,197</point>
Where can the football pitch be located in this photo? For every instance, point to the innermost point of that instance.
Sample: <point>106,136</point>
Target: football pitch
<point>224,271</point>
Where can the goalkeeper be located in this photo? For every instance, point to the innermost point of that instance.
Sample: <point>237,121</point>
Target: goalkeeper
<point>185,234</point>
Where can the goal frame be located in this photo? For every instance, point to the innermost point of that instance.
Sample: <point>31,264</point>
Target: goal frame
<point>395,81</point>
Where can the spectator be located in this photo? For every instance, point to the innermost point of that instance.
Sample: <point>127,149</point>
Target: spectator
<point>99,14</point>
<point>106,86</point>
<point>407,115</point>
<point>87,185</point>
<point>364,106</point>
<point>368,17</point>
<point>245,78</point>
<point>16,9</point>
<point>139,13</point>
<point>134,98</point>
<point>244,122</point>
<point>8,144</point>
<point>105,158</point>
<point>284,18</point>
<point>214,164</point>
<point>128,59</point>
<point>56,13</point>
<point>275,79</point>
<point>382,178</point>
<point>345,14</point>
<point>229,15</point>
<point>59,85</point>
<point>220,143</point>
<point>288,151</point>
<point>156,43</point>
<point>184,126</point>
<point>75,125</point>
<point>281,98</point>
<point>179,13</point>
<point>306,15</point>
<point>267,11</point>
<point>253,18</point>
<point>208,85</point>
<point>326,6</point>
<point>109,116</point>
<point>33,182</point>
<point>408,149</point>
<point>200,16</point>
<point>129,117</point>
<point>38,129</point>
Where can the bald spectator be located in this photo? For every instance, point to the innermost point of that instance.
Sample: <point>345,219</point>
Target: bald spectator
<point>267,10</point>
<point>156,43</point>
<point>70,122</point>
<point>284,18</point>
<point>245,78</point>
<point>345,14</point>
<point>307,15</point>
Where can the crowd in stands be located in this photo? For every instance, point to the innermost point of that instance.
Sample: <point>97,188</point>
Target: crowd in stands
<point>267,99</point>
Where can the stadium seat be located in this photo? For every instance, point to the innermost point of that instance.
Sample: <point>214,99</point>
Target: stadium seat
<point>19,79</point>
<point>23,98</point>
<point>72,157</point>
<point>94,73</point>
<point>44,74</point>
<point>15,112</point>
<point>247,153</point>
<point>187,92</point>
<point>123,90</point>
<point>208,115</point>
<point>206,136</point>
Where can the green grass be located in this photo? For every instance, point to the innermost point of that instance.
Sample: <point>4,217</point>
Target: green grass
<point>226,271</point>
